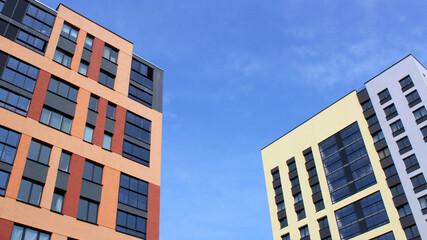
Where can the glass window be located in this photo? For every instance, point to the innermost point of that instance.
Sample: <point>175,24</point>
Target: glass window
<point>397,126</point>
<point>69,32</point>
<point>106,79</point>
<point>93,103</point>
<point>133,192</point>
<point>378,136</point>
<point>142,74</point>
<point>88,42</point>
<point>283,222</point>
<point>308,157</point>
<point>278,190</point>
<point>286,237</point>
<point>106,142</point>
<point>406,83</point>
<point>423,201</point>
<point>30,192</point>
<point>323,223</point>
<point>110,53</point>
<point>384,95</point>
<point>418,180</point>
<point>88,134</point>
<point>14,102</point>
<point>83,67</point>
<point>424,132</point>
<point>304,232</point>
<point>390,171</point>
<point>136,153</point>
<point>411,232</point>
<point>312,172</point>
<point>403,144</point>
<point>20,232</point>
<point>56,120</point>
<point>62,57</point>
<point>387,236</point>
<point>315,188</point>
<point>88,210</point>
<point>301,214</point>
<point>138,127</point>
<point>39,20</point>
<point>383,153</point>
<point>404,210</point>
<point>320,205</point>
<point>9,141</point>
<point>276,175</point>
<point>131,224</point>
<point>372,120</point>
<point>410,161</point>
<point>4,179</point>
<point>366,105</point>
<point>390,111</point>
<point>64,162</point>
<point>39,152</point>
<point>292,166</point>
<point>63,89</point>
<point>413,97</point>
<point>140,95</point>
<point>57,201</point>
<point>420,113</point>
<point>298,197</point>
<point>280,206</point>
<point>2,4</point>
<point>397,190</point>
<point>20,74</point>
<point>92,172</point>
<point>295,182</point>
<point>30,41</point>
<point>111,110</point>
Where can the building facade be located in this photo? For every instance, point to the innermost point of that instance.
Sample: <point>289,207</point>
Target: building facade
<point>80,129</point>
<point>355,170</point>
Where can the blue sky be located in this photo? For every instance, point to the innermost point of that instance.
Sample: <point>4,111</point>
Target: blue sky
<point>238,75</point>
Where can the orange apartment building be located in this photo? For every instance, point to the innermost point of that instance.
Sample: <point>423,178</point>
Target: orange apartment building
<point>80,129</point>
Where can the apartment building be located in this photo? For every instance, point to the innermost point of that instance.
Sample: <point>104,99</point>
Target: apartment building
<point>80,129</point>
<point>355,169</point>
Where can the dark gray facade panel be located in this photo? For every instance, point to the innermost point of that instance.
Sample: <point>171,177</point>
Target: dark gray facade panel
<point>131,210</point>
<point>413,168</point>
<point>380,144</point>
<point>386,162</point>
<point>20,10</point>
<point>317,197</point>
<point>405,150</point>
<point>59,103</point>
<point>109,125</point>
<point>424,211</point>
<point>279,198</point>
<point>281,214</point>
<point>310,164</point>
<point>400,200</point>
<point>421,119</point>
<point>158,90</point>
<point>313,180</point>
<point>394,180</point>
<point>276,183</point>
<point>363,96</point>
<point>299,206</point>
<point>407,221</point>
<point>35,171</point>
<point>276,169</point>
<point>392,116</point>
<point>5,167</point>
<point>369,113</point>
<point>3,60</point>
<point>374,128</point>
<point>290,161</point>
<point>9,7</point>
<point>136,141</point>
<point>293,174</point>
<point>11,32</point>
<point>398,132</point>
<point>16,89</point>
<point>109,66</point>
<point>62,180</point>
<point>305,152</point>
<point>296,189</point>
<point>420,188</point>
<point>91,117</point>
<point>66,45</point>
<point>86,55</point>
<point>3,26</point>
<point>325,232</point>
<point>91,190</point>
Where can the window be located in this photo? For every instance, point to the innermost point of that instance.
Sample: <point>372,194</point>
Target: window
<point>30,192</point>
<point>106,141</point>
<point>93,103</point>
<point>419,114</point>
<point>384,96</point>
<point>88,134</point>
<point>283,222</point>
<point>280,206</point>
<point>294,182</point>
<point>69,32</point>
<point>323,223</point>
<point>383,153</point>
<point>133,192</point>
<point>406,83</point>
<point>298,197</point>
<point>83,67</point>
<point>62,57</point>
<point>4,179</point>
<point>390,171</point>
<point>387,236</point>
<point>39,20</point>
<point>92,172</point>
<point>372,120</point>
<point>292,166</point>
<point>312,172</point>
<point>397,190</point>
<point>418,180</point>
<point>2,4</point>
<point>413,98</point>
<point>131,224</point>
<point>404,210</point>
<point>378,136</point>
<point>390,111</point>
<point>30,41</point>
<point>276,175</point>
<point>39,152</point>
<point>304,231</point>
<point>63,89</point>
<point>286,237</point>
<point>110,53</point>
<point>20,74</point>
<point>25,233</point>
<point>320,205</point>
<point>278,190</point>
<point>64,161</point>
<point>423,201</point>
<point>106,79</point>
<point>138,127</point>
<point>88,42</point>
<point>366,105</point>
<point>142,74</point>
<point>397,127</point>
<point>140,96</point>
<point>404,145</point>
<point>56,120</point>
<point>315,188</point>
<point>424,132</point>
<point>301,214</point>
<point>57,201</point>
<point>136,153</point>
<point>412,232</point>
<point>9,141</point>
<point>14,102</point>
<point>308,157</point>
<point>88,210</point>
<point>410,161</point>
<point>111,111</point>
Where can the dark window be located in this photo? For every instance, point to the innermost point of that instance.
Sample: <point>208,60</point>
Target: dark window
<point>62,57</point>
<point>406,83</point>
<point>64,161</point>
<point>88,42</point>
<point>366,105</point>
<point>106,79</point>
<point>83,67</point>
<point>106,141</point>
<point>30,192</point>
<point>136,153</point>
<point>110,54</point>
<point>378,136</point>
<point>413,98</point>
<point>372,120</point>
<point>384,96</point>
<point>20,232</point>
<point>418,180</point>
<point>2,4</point>
<point>419,114</point>
<point>14,102</point>
<point>9,141</point>
<point>323,223</point>
<point>111,111</point>
<point>280,206</point>
<point>93,103</point>
<point>390,111</point>
<point>20,74</point>
<point>387,236</point>
<point>133,192</point>
<point>92,172</point>
<point>403,144</point>
<point>424,132</point>
<point>294,181</point>
<point>286,237</point>
<point>57,201</point>
<point>397,127</point>
<point>30,41</point>
<point>88,210</point>
<point>304,231</point>
<point>140,95</point>
<point>315,188</point>
<point>292,166</point>
<point>4,179</point>
<point>312,172</point>
<point>301,214</point>
<point>63,89</point>
<point>390,171</point>
<point>320,205</point>
<point>423,201</point>
<point>39,20</point>
<point>412,232</point>
<point>88,135</point>
<point>410,161</point>
<point>39,152</point>
<point>278,190</point>
<point>404,210</point>
<point>276,175</point>
<point>69,32</point>
<point>383,153</point>
<point>138,127</point>
<point>131,224</point>
<point>298,197</point>
<point>142,74</point>
<point>308,157</point>
<point>56,120</point>
<point>397,190</point>
<point>283,222</point>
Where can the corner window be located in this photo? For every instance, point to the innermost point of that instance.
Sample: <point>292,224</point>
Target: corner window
<point>131,224</point>
<point>14,102</point>
<point>142,74</point>
<point>133,192</point>
<point>30,41</point>
<point>69,32</point>
<point>20,74</point>
<point>110,54</point>
<point>39,20</point>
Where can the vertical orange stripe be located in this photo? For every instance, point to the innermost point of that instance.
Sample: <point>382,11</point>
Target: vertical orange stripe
<point>109,197</point>
<point>39,95</point>
<point>79,121</point>
<point>71,199</point>
<point>153,212</point>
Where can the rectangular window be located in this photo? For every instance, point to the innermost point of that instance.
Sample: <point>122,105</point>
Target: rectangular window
<point>93,103</point>
<point>83,67</point>
<point>20,232</point>
<point>138,127</point>
<point>4,179</point>
<point>390,111</point>
<point>136,153</point>
<point>63,89</point>
<point>411,162</point>
<point>315,188</point>
<point>106,141</point>
<point>387,236</point>
<point>304,231</point>
<point>57,201</point>
<point>1,4</point>
<point>384,96</point>
<point>20,74</point>
<point>30,192</point>
<point>286,237</point>
<point>301,214</point>
<point>372,120</point>
<point>88,210</point>
<point>404,145</point>
<point>39,20</point>
<point>378,136</point>
<point>312,172</point>
<point>406,83</point>
<point>62,57</point>
<point>295,182</point>
<point>390,171</point>
<point>106,79</point>
<point>397,128</point>
<point>292,166</point>
<point>411,232</point>
<point>278,190</point>
<point>420,114</point>
<point>14,102</point>
<point>56,120</point>
<point>397,190</point>
<point>283,222</point>
<point>276,175</point>
<point>308,157</point>
<point>383,153</point>
<point>142,74</point>
<point>423,202</point>
<point>39,152</point>
<point>323,223</point>
<point>110,54</point>
<point>424,132</point>
<point>92,172</point>
<point>111,111</point>
<point>88,134</point>
<point>298,197</point>
<point>413,98</point>
<point>404,210</point>
<point>281,206</point>
<point>320,205</point>
<point>9,141</point>
<point>88,42</point>
<point>418,180</point>
<point>64,161</point>
<point>133,192</point>
<point>367,105</point>
<point>69,32</point>
<point>140,96</point>
<point>30,41</point>
<point>131,224</point>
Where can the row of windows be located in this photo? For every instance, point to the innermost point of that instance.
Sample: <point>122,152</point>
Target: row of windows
<point>32,42</point>
<point>20,74</point>
<point>39,20</point>
<point>14,102</point>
